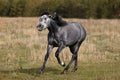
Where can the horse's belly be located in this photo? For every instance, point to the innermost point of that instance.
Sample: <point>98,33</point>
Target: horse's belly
<point>72,39</point>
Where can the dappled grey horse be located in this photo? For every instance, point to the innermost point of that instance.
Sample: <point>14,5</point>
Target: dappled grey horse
<point>61,34</point>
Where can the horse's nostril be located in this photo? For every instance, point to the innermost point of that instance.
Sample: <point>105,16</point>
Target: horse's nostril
<point>38,25</point>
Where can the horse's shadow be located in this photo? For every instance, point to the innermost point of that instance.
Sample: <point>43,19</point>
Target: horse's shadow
<point>35,71</point>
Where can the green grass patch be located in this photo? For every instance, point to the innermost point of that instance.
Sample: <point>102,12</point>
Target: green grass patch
<point>86,71</point>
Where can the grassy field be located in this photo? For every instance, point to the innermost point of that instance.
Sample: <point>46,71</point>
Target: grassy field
<point>22,50</point>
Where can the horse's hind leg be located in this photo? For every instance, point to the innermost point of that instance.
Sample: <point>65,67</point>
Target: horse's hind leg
<point>74,50</point>
<point>76,57</point>
<point>67,67</point>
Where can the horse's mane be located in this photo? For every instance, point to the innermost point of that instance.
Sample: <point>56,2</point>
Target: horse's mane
<point>58,19</point>
<point>61,22</point>
<point>45,12</point>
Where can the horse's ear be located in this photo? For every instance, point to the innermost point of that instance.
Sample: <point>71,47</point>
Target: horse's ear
<point>45,12</point>
<point>50,16</point>
<point>55,14</point>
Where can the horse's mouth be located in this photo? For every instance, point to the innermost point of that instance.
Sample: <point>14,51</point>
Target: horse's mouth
<point>40,29</point>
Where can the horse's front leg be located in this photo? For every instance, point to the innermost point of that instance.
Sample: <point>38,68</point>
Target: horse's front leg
<point>49,49</point>
<point>60,48</point>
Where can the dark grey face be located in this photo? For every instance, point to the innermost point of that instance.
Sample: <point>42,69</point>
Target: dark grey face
<point>44,22</point>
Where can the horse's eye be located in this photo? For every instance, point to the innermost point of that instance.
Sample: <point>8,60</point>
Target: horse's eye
<point>45,18</point>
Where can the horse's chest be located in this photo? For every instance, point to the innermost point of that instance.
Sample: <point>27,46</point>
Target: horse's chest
<point>53,41</point>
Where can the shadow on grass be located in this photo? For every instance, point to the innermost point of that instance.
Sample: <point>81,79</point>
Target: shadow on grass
<point>34,71</point>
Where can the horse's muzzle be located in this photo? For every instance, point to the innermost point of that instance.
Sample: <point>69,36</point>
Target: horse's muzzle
<point>40,28</point>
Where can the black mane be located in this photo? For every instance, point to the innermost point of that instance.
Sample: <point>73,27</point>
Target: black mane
<point>58,20</point>
<point>44,13</point>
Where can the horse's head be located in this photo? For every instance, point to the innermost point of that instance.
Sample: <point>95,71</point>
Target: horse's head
<point>44,22</point>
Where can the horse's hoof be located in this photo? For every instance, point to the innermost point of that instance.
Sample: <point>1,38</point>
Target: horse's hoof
<point>41,72</point>
<point>63,64</point>
<point>64,72</point>
<point>75,69</point>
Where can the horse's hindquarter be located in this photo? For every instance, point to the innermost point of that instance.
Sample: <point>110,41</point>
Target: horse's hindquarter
<point>82,32</point>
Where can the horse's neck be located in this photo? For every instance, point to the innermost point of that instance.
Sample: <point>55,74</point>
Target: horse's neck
<point>54,28</point>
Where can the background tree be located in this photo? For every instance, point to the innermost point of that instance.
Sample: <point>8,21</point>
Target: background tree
<point>66,8</point>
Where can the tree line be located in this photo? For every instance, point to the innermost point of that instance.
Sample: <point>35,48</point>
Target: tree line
<point>66,8</point>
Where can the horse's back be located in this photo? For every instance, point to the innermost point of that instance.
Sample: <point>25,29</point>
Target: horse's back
<point>73,32</point>
<point>78,28</point>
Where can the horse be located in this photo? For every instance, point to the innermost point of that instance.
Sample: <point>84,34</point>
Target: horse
<point>61,34</point>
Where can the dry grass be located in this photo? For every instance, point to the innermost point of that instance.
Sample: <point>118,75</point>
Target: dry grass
<point>21,45</point>
<point>102,40</point>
